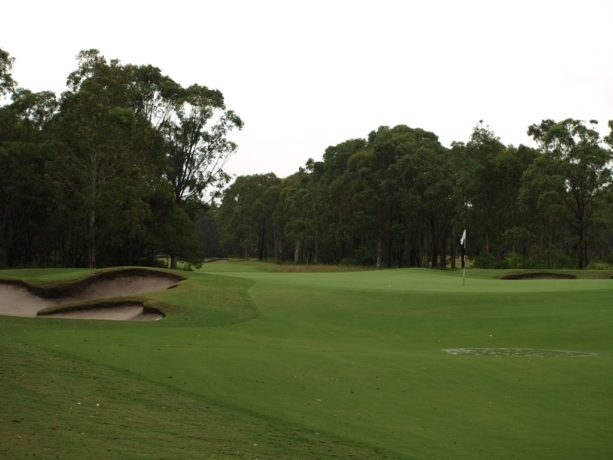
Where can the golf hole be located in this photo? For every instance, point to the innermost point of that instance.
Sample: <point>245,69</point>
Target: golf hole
<point>517,352</point>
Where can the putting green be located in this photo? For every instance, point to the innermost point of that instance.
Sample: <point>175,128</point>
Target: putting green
<point>317,365</point>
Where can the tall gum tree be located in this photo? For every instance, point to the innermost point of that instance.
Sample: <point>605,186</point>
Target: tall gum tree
<point>194,130</point>
<point>96,125</point>
<point>7,84</point>
<point>578,168</point>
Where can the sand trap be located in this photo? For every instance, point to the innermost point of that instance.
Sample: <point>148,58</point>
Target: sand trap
<point>517,352</point>
<point>18,301</point>
<point>21,299</point>
<point>120,286</point>
<point>117,312</point>
<point>539,276</point>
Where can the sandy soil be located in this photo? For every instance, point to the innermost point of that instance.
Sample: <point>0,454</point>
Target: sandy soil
<point>120,286</point>
<point>18,301</point>
<point>118,312</point>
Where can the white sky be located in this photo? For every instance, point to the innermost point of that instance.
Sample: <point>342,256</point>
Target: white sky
<point>304,75</point>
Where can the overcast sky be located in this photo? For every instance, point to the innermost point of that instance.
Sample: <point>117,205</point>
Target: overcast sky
<point>304,75</point>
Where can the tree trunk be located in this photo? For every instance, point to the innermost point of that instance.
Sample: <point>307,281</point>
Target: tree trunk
<point>262,248</point>
<point>379,255</point>
<point>581,247</point>
<point>173,261</point>
<point>453,253</point>
<point>93,176</point>
<point>92,239</point>
<point>297,251</point>
<point>434,255</point>
<point>413,252</point>
<point>390,241</point>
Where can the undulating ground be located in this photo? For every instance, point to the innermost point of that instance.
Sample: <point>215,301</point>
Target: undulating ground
<point>253,363</point>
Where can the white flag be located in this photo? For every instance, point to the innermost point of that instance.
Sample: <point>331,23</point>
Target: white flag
<point>463,239</point>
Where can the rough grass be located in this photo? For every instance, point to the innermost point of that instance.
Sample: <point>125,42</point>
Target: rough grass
<point>284,360</point>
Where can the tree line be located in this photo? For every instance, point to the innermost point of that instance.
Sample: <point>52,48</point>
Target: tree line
<point>399,198</point>
<point>126,165</point>
<point>114,171</point>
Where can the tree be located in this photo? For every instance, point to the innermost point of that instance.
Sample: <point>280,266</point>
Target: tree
<point>97,127</point>
<point>192,124</point>
<point>246,215</point>
<point>7,84</point>
<point>577,169</point>
<point>197,143</point>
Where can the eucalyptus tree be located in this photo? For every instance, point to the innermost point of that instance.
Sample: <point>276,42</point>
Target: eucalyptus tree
<point>32,113</point>
<point>246,214</point>
<point>414,182</point>
<point>102,168</point>
<point>7,84</point>
<point>25,152</point>
<point>574,167</point>
<point>480,182</point>
<point>197,142</point>
<point>192,126</point>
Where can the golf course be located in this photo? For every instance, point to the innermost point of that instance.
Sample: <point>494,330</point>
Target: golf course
<point>251,362</point>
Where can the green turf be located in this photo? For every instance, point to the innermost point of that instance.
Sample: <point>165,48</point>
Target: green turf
<point>318,365</point>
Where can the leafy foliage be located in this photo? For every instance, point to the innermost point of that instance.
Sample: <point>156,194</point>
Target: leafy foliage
<point>114,172</point>
<point>399,198</point>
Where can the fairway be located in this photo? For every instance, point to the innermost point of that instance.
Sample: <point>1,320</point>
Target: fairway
<point>251,363</point>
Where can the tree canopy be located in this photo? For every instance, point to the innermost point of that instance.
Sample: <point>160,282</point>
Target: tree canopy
<point>127,165</point>
<point>115,171</point>
<point>399,198</point>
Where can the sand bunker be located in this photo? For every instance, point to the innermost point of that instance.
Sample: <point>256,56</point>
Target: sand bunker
<point>121,286</point>
<point>539,276</point>
<point>22,299</point>
<point>117,312</point>
<point>517,352</point>
<point>18,301</point>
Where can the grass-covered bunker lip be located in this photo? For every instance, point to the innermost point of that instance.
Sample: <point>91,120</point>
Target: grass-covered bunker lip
<point>106,294</point>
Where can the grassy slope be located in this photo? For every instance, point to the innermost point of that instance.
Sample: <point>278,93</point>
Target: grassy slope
<point>351,356</point>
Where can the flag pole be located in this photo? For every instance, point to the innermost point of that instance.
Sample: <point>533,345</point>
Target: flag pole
<point>462,253</point>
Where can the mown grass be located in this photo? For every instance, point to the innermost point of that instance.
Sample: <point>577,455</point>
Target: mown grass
<point>62,407</point>
<point>318,268</point>
<point>352,358</point>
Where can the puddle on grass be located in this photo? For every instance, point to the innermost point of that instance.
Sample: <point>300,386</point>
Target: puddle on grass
<point>517,352</point>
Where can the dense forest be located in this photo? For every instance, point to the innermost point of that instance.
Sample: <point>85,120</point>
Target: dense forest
<point>127,166</point>
<point>399,198</point>
<point>114,171</point>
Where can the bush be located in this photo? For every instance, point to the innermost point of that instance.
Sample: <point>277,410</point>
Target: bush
<point>489,261</point>
<point>347,261</point>
<point>365,257</point>
<point>514,260</point>
<point>600,265</point>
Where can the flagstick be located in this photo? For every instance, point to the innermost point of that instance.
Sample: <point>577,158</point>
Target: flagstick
<point>462,254</point>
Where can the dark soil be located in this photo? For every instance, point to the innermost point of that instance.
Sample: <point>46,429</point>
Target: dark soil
<point>539,276</point>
